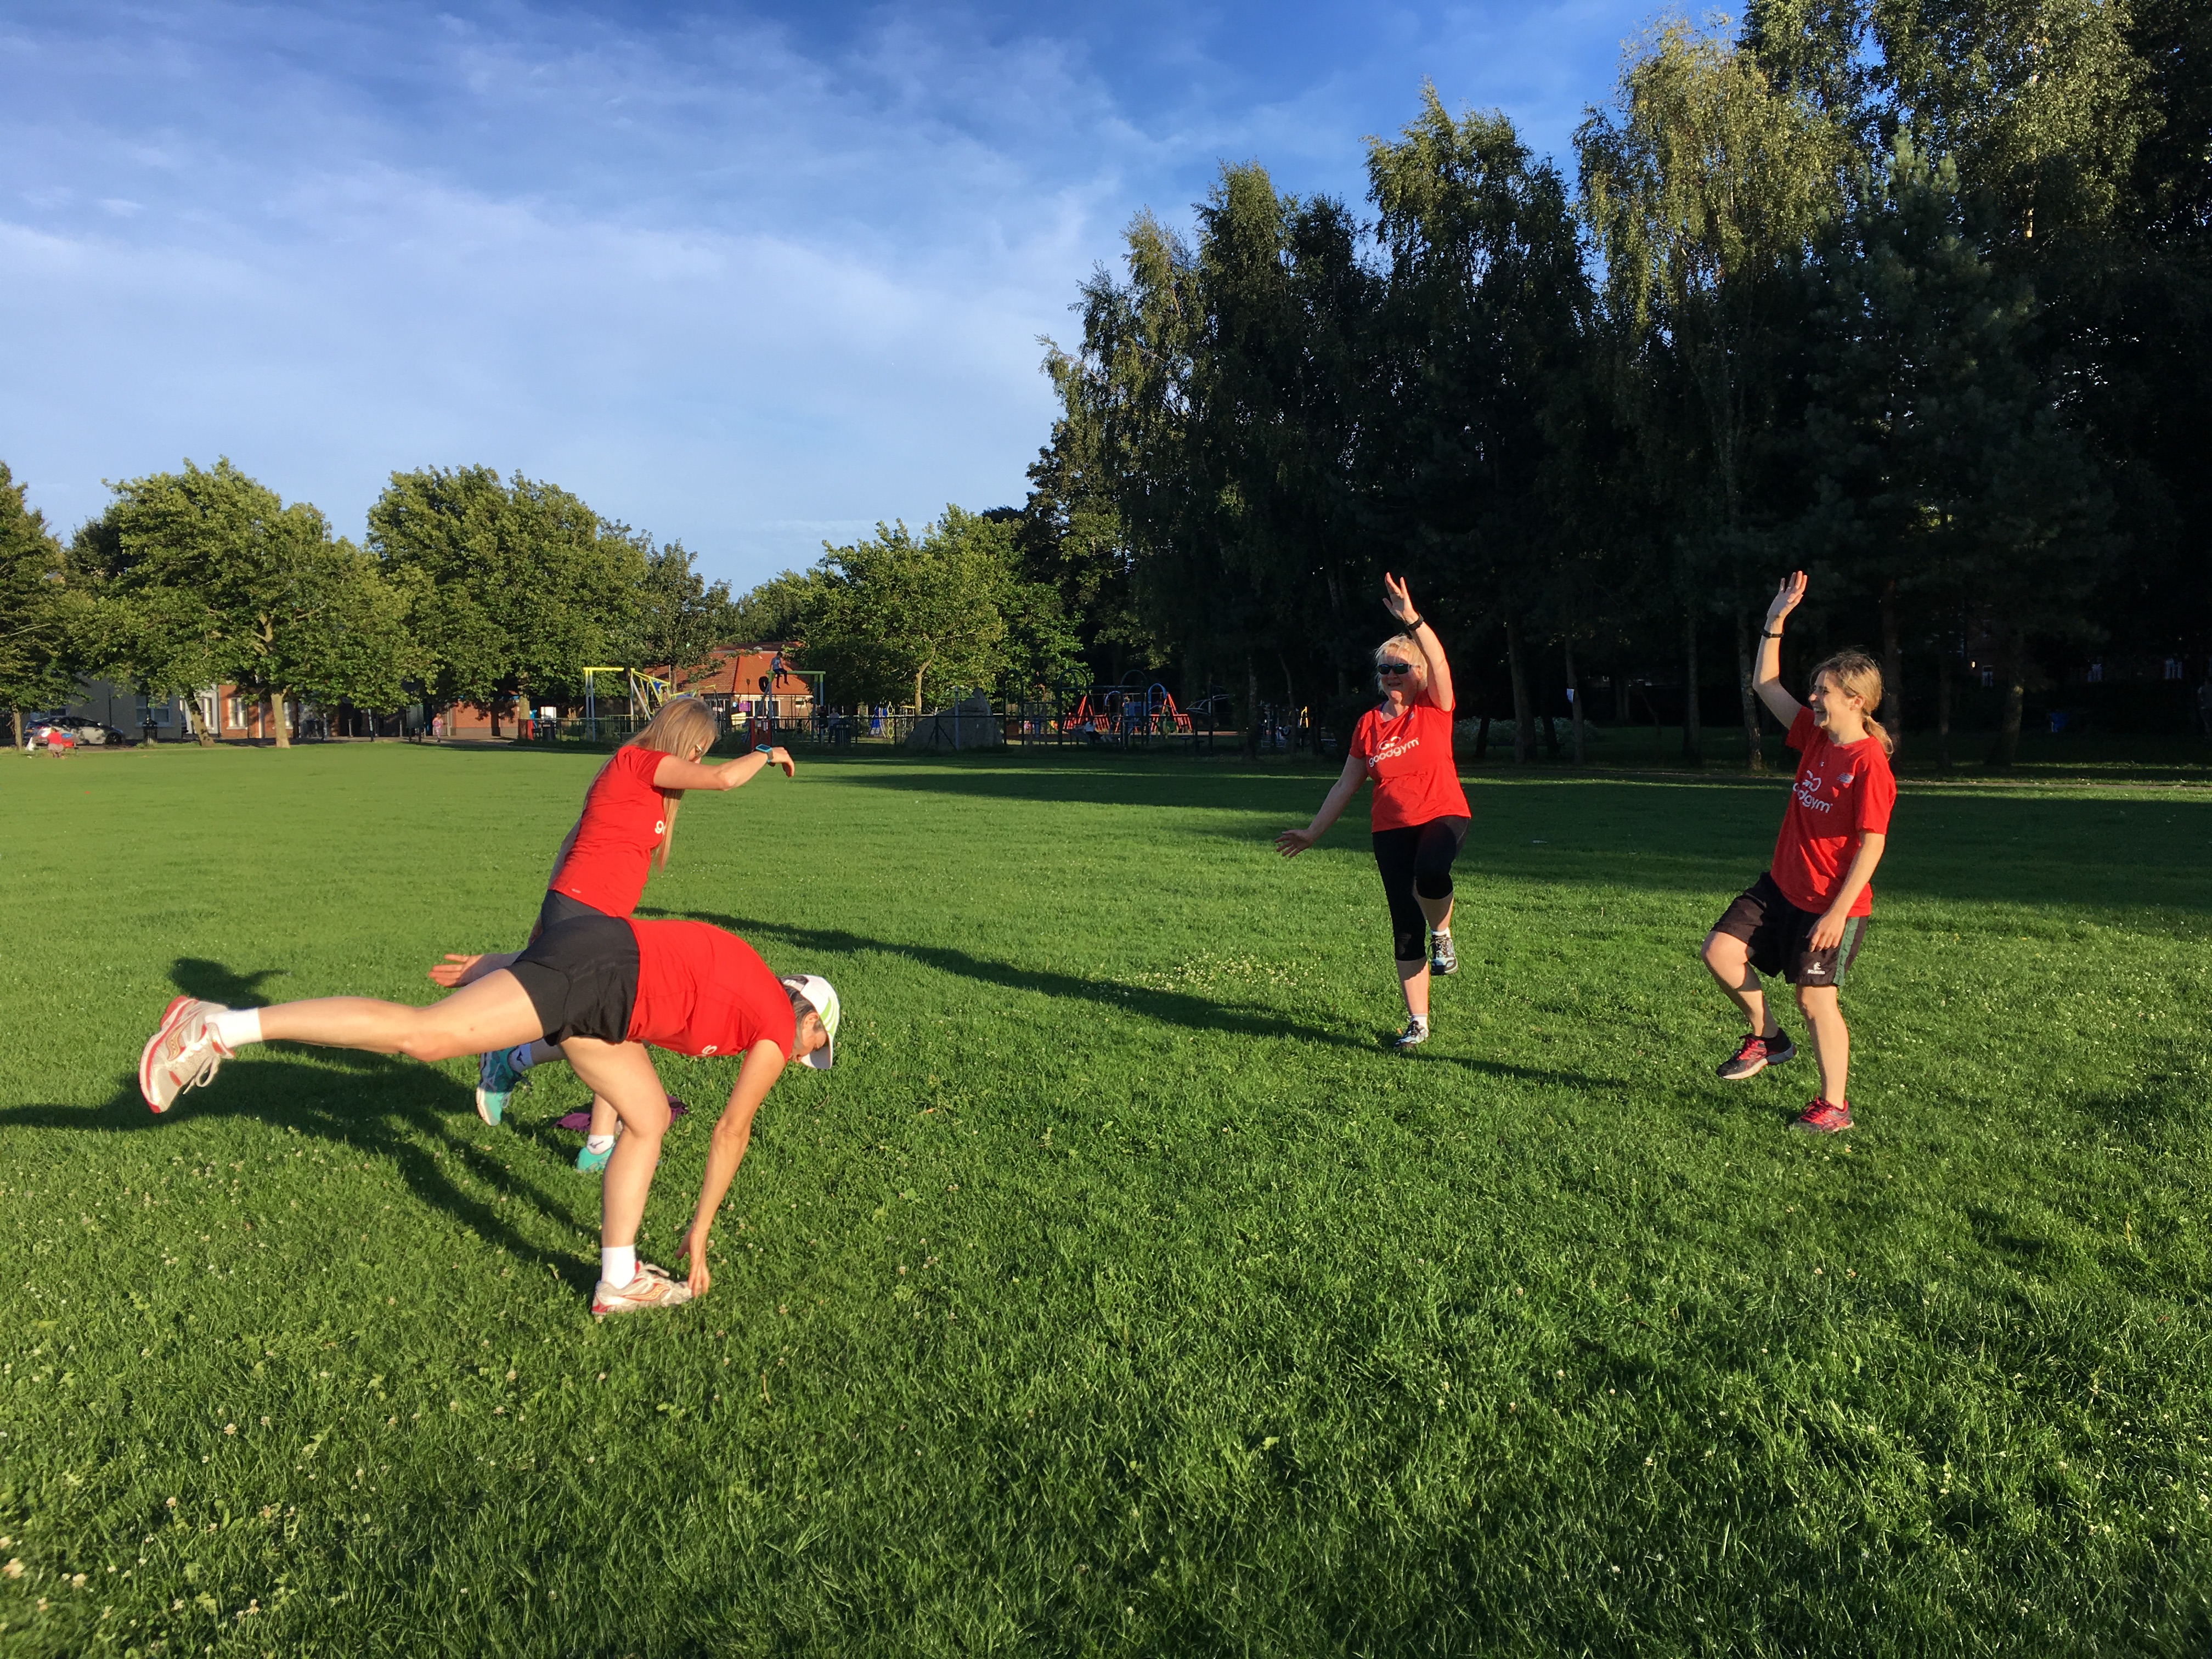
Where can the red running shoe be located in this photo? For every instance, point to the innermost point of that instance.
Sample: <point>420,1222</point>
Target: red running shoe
<point>1754,1054</point>
<point>1823,1116</point>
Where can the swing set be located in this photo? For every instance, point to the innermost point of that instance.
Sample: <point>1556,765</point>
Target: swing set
<point>643,691</point>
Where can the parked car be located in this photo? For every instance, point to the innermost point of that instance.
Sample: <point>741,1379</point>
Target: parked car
<point>90,732</point>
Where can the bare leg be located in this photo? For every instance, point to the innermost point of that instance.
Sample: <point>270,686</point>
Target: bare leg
<point>622,1074</point>
<point>494,1013</point>
<point>1831,1039</point>
<point>1439,911</point>
<point>1729,960</point>
<point>604,1115</point>
<point>1414,981</point>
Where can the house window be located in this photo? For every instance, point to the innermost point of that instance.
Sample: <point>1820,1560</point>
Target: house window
<point>1989,677</point>
<point>2096,673</point>
<point>2173,668</point>
<point>236,717</point>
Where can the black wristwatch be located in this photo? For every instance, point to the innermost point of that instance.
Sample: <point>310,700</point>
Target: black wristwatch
<point>1417,622</point>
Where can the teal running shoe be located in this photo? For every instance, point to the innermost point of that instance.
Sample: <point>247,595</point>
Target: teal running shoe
<point>497,1078</point>
<point>590,1162</point>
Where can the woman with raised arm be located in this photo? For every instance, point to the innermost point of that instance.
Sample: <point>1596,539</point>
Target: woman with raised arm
<point>628,824</point>
<point>1419,815</point>
<point>1806,918</point>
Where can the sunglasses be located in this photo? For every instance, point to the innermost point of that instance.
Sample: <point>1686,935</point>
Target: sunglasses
<point>1394,668</point>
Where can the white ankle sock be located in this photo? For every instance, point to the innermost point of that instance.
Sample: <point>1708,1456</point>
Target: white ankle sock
<point>235,1027</point>
<point>600,1143</point>
<point>617,1264</point>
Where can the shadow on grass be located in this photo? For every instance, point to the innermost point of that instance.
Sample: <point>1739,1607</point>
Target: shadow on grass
<point>392,1107</point>
<point>1191,1013</point>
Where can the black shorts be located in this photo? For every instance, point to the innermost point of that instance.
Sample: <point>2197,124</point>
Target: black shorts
<point>559,907</point>
<point>581,977</point>
<point>1780,936</point>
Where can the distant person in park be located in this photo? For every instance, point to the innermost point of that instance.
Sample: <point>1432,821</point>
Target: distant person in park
<point>628,824</point>
<point>1806,918</point>
<point>605,990</point>
<point>1421,814</point>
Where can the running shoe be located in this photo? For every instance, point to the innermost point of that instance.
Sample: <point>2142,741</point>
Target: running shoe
<point>497,1078</point>
<point>182,1054</point>
<point>590,1162</point>
<point>1823,1116</point>
<point>1416,1032</point>
<point>1442,959</point>
<point>1754,1054</point>
<point>652,1288</point>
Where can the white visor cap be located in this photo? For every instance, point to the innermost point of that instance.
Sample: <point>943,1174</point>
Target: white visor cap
<point>823,996</point>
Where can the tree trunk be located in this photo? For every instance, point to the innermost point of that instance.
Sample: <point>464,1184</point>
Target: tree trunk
<point>1482,739</point>
<point>1658,735</point>
<point>1893,669</point>
<point>16,715</point>
<point>1575,702</point>
<point>1757,761</point>
<point>1548,726</point>
<point>2012,672</point>
<point>274,701</point>
<point>1693,749</point>
<point>1520,672</point>
<point>1251,708</point>
<point>1943,709</point>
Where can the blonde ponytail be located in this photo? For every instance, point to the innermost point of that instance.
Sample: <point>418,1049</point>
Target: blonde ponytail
<point>1858,675</point>
<point>686,728</point>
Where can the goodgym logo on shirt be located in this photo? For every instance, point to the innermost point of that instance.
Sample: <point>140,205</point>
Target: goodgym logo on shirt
<point>1808,791</point>
<point>1391,748</point>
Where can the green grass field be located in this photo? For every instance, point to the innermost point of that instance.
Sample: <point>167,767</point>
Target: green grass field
<point>1117,1293</point>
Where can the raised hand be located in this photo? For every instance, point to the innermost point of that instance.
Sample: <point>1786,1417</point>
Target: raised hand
<point>1396,599</point>
<point>1787,598</point>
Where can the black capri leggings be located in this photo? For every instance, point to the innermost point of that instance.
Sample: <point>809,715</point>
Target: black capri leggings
<point>1417,858</point>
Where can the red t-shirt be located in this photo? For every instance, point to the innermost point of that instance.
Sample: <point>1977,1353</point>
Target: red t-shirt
<point>1409,760</point>
<point>625,817</point>
<point>1842,791</point>
<point>702,990</point>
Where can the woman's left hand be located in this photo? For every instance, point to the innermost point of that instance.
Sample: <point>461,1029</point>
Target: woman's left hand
<point>1397,599</point>
<point>453,970</point>
<point>700,1280</point>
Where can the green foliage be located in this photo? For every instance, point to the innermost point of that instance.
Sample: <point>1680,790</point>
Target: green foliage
<point>775,611</point>
<point>522,586</point>
<point>1221,1330</point>
<point>900,618</point>
<point>680,618</point>
<point>37,605</point>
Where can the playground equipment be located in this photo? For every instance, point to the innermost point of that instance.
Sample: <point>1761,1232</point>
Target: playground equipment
<point>1134,711</point>
<point>644,692</point>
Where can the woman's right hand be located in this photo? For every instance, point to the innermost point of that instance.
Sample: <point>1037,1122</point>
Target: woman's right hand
<point>782,758</point>
<point>1291,842</point>
<point>1786,598</point>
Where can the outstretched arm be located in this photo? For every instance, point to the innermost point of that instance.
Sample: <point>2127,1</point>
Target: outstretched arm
<point>1291,842</point>
<point>675,773</point>
<point>763,1064</point>
<point>1432,648</point>
<point>1766,678</point>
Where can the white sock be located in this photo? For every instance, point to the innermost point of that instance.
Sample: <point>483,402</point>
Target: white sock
<point>518,1057</point>
<point>234,1028</point>
<point>599,1143</point>
<point>617,1264</point>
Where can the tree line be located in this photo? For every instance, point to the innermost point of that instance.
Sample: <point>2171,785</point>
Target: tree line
<point>468,587</point>
<point>1911,296</point>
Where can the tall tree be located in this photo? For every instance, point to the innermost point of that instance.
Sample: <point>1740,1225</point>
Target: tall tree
<point>1482,327</point>
<point>523,586</point>
<point>38,608</point>
<point>679,616</point>
<point>1702,185</point>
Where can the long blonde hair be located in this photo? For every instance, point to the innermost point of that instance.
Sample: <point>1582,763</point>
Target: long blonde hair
<point>1858,675</point>
<point>686,728</point>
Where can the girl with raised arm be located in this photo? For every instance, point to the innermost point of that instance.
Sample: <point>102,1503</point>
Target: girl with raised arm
<point>1806,918</point>
<point>628,824</point>
<point>1420,813</point>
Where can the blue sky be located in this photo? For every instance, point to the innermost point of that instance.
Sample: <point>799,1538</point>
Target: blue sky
<point>752,276</point>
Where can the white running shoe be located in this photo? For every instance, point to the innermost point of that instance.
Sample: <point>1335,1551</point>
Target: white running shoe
<point>652,1288</point>
<point>182,1054</point>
